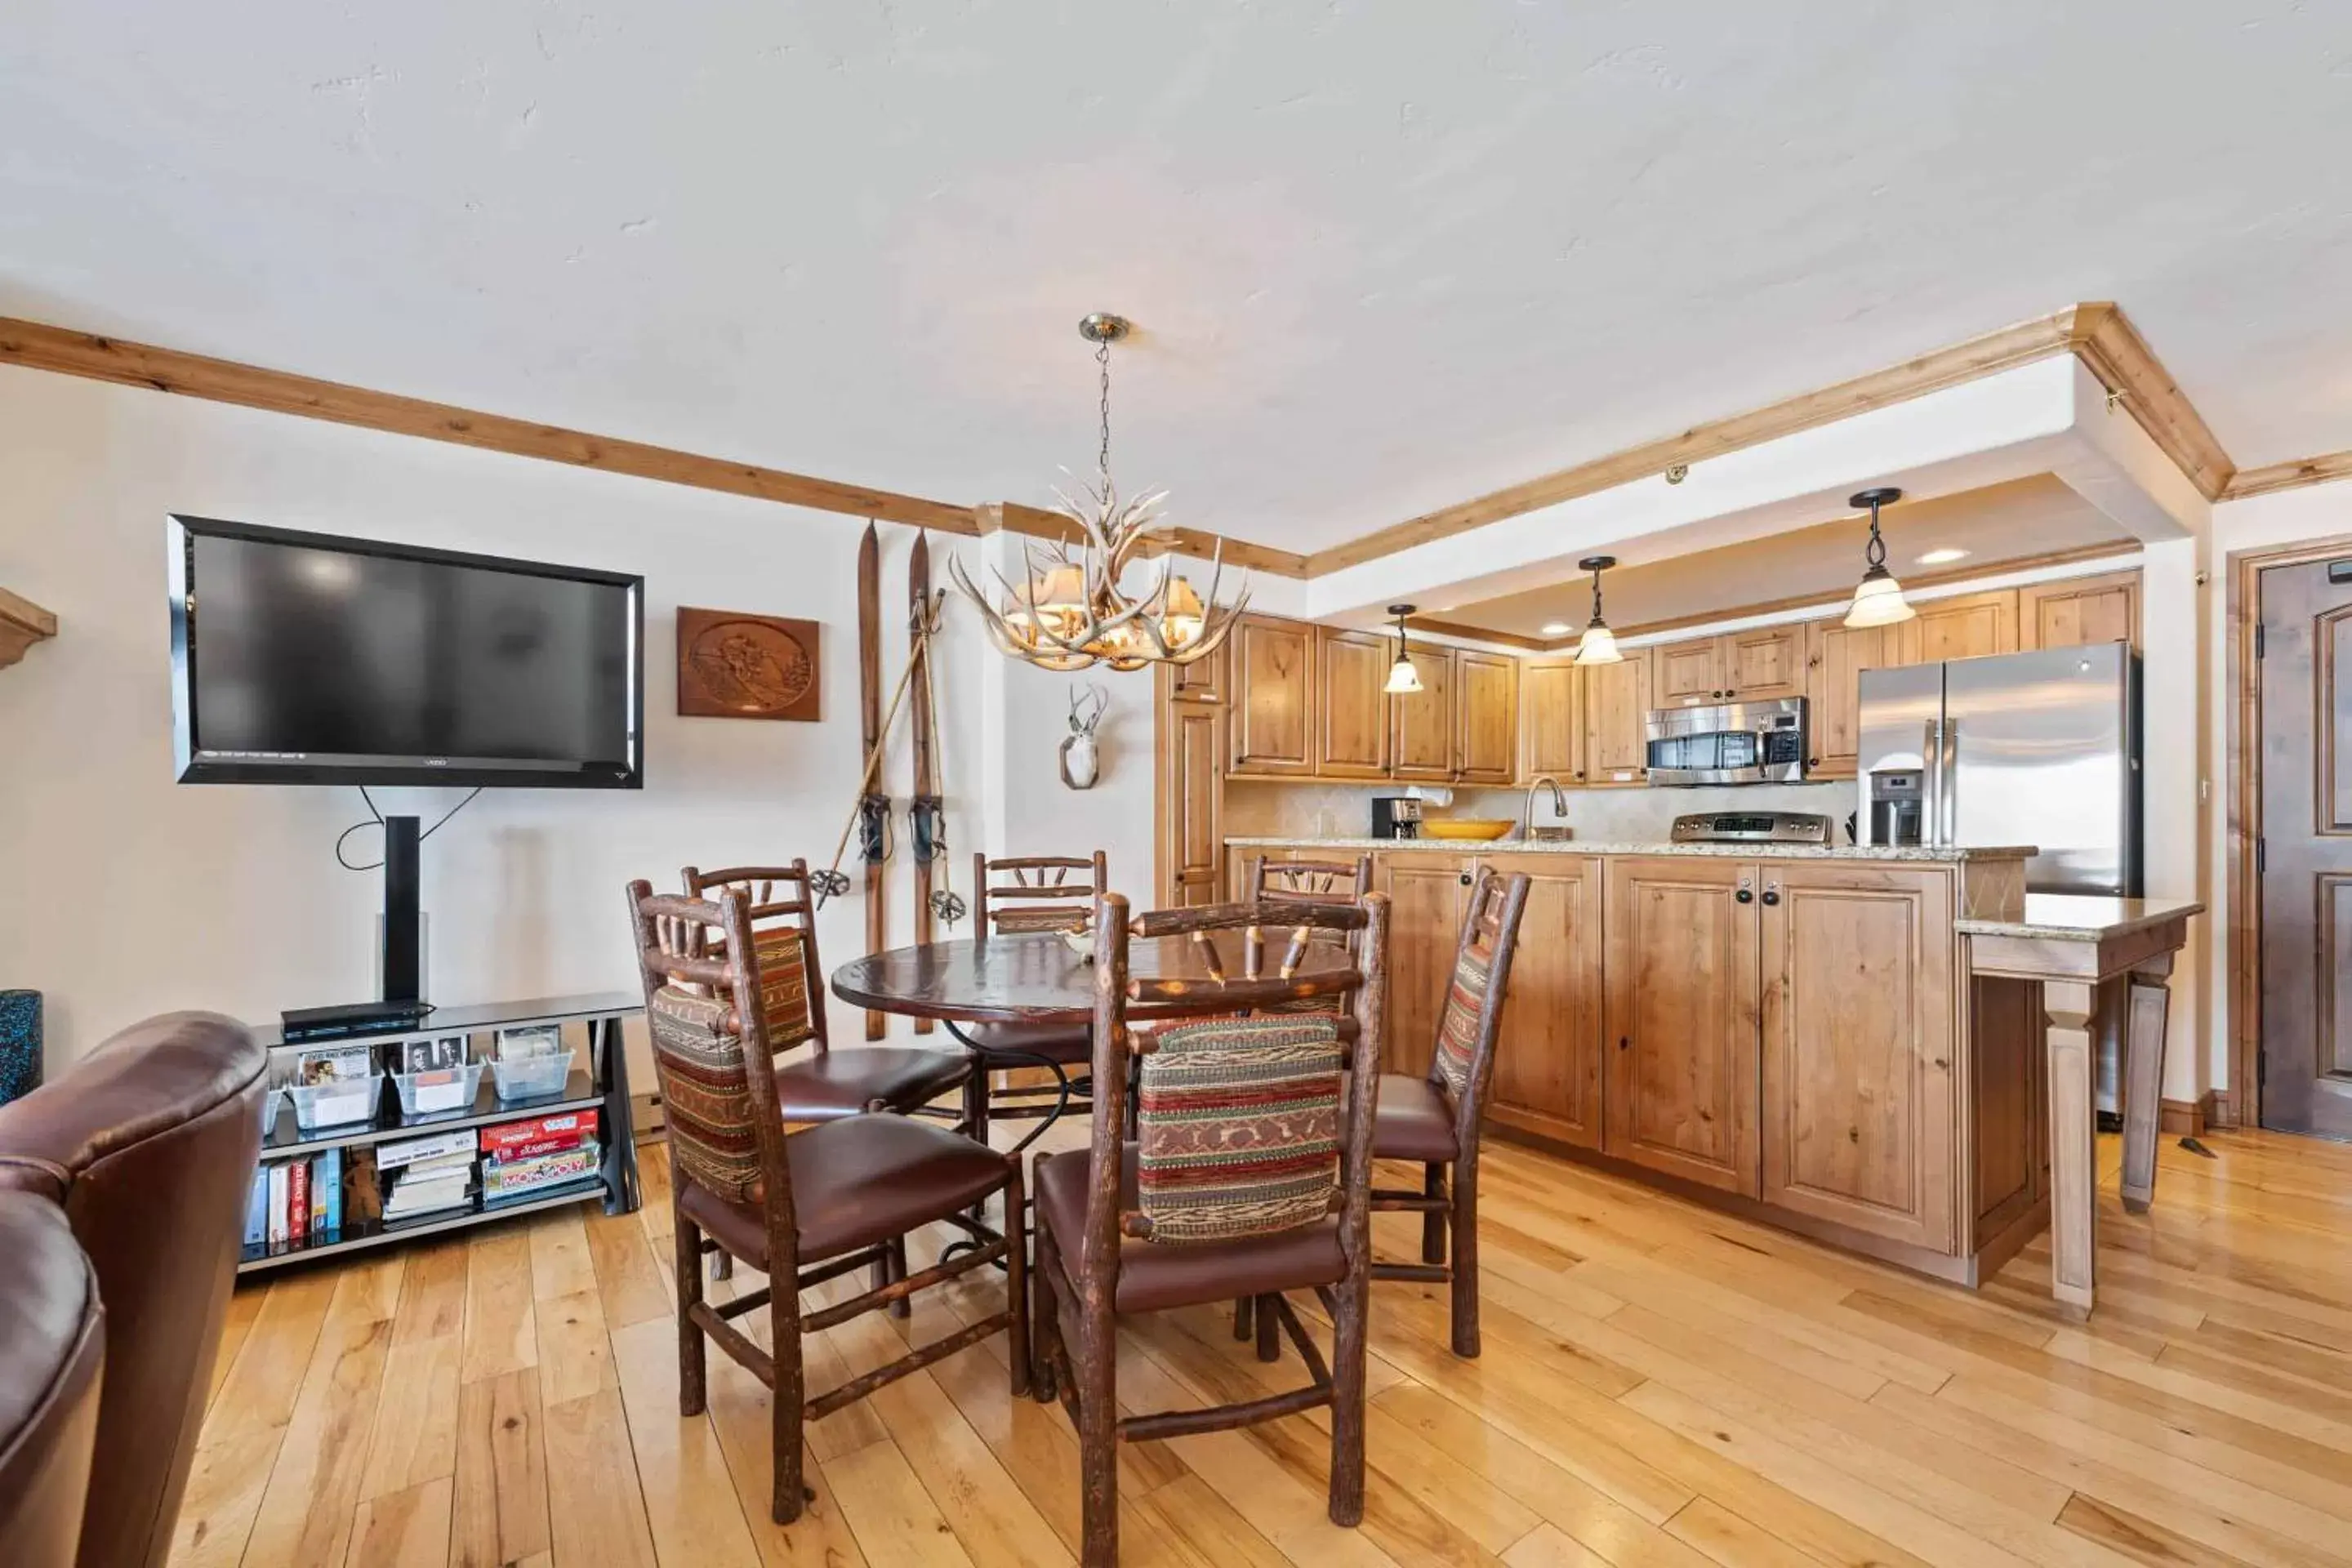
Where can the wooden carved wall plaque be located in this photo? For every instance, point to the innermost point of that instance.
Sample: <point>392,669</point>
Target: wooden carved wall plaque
<point>733,665</point>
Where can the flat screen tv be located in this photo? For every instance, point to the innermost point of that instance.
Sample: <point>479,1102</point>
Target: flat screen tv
<point>308,658</point>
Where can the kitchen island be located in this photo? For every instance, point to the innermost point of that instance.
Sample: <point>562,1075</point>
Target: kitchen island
<point>1794,1034</point>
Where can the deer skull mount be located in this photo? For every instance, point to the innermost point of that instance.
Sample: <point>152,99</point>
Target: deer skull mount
<point>1081,761</point>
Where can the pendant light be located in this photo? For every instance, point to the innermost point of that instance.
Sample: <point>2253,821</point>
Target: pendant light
<point>1599,643</point>
<point>1404,678</point>
<point>1878,598</point>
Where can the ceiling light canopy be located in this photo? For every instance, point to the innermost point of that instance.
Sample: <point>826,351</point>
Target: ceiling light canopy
<point>1404,678</point>
<point>1878,598</point>
<point>1599,643</point>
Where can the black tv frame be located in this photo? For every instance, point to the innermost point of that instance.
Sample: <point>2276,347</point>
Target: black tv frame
<point>180,530</point>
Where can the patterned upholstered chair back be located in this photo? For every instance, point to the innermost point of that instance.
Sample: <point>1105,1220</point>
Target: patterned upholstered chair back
<point>701,967</point>
<point>1036,893</point>
<point>1240,1124</point>
<point>783,933</point>
<point>1464,1060</point>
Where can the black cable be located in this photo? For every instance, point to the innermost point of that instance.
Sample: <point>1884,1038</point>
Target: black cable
<point>375,819</point>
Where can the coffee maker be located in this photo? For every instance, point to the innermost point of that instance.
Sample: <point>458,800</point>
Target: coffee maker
<point>1896,801</point>
<point>1396,816</point>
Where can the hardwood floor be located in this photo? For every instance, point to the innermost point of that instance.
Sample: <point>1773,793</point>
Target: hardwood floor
<point>1662,1388</point>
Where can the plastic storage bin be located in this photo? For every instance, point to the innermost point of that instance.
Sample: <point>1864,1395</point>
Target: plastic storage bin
<point>271,1098</point>
<point>534,1077</point>
<point>442,1091</point>
<point>318,1105</point>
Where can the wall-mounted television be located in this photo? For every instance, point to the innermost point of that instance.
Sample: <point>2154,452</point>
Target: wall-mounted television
<point>309,658</point>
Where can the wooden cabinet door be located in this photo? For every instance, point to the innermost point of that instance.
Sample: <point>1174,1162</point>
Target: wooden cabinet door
<point>1192,758</point>
<point>1425,897</point>
<point>1487,717</point>
<point>1352,721</point>
<point>1616,709</point>
<point>1552,720</point>
<point>1688,673</point>
<point>1768,661</point>
<point>1548,1055</point>
<point>2080,610</point>
<point>1857,1043</point>
<point>1421,725</point>
<point>1680,1030</point>
<point>1272,699</point>
<point>1967,626</point>
<point>1203,679</point>
<point>1833,693</point>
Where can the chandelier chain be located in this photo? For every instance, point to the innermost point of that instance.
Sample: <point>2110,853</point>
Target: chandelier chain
<point>1102,452</point>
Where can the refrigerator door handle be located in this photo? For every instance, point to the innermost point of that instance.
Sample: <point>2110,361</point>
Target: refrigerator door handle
<point>1950,793</point>
<point>1931,816</point>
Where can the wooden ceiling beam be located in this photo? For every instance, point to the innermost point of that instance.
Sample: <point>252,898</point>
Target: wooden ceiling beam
<point>2111,348</point>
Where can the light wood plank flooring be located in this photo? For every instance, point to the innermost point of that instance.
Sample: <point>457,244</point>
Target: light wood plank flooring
<point>1661,1386</point>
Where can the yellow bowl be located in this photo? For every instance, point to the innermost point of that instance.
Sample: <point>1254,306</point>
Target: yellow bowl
<point>1465,827</point>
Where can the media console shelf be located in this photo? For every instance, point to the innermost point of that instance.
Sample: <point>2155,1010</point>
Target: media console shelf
<point>604,1086</point>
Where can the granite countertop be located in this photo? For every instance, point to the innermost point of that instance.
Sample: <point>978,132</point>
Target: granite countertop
<point>1942,856</point>
<point>2082,917</point>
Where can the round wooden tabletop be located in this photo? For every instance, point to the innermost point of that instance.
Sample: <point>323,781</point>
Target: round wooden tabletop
<point>1024,978</point>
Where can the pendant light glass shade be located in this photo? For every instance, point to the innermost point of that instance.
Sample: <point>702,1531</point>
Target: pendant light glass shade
<point>1599,643</point>
<point>1878,599</point>
<point>1404,678</point>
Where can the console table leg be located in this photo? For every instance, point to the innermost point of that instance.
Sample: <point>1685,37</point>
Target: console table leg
<point>2073,1171</point>
<point>2144,1080</point>
<point>611,1062</point>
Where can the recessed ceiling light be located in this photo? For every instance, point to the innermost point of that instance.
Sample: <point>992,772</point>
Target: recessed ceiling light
<point>1942,557</point>
<point>1557,628</point>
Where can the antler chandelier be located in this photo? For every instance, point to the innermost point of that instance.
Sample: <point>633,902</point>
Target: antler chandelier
<point>1071,611</point>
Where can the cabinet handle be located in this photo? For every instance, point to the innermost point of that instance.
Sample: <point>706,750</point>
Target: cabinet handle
<point>1466,878</point>
<point>1745,895</point>
<point>1772,894</point>
<point>1624,1043</point>
<point>1812,761</point>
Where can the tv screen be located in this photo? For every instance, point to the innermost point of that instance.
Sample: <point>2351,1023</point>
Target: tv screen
<point>303,658</point>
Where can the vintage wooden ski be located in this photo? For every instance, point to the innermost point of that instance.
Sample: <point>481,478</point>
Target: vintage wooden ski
<point>874,806</point>
<point>924,817</point>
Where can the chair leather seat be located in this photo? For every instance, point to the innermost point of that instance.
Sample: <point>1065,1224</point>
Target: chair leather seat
<point>1155,1275</point>
<point>825,1085</point>
<point>856,1181</point>
<point>1412,1122</point>
<point>1069,1045</point>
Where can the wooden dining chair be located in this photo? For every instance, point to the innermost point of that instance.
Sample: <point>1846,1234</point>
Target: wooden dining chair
<point>1435,1120</point>
<point>805,1208</point>
<point>1014,895</point>
<point>1306,881</point>
<point>1247,1178</point>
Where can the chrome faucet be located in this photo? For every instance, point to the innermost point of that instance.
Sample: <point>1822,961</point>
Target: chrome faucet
<point>1527,812</point>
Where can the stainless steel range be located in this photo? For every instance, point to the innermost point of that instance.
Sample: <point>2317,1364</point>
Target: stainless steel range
<point>1751,827</point>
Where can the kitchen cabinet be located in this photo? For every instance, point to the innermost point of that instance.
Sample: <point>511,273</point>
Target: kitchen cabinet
<point>2079,610</point>
<point>1203,679</point>
<point>1421,723</point>
<point>1427,895</point>
<point>1552,720</point>
<point>1765,662</point>
<point>1351,737</point>
<point>1687,674</point>
<point>1834,692</point>
<point>1548,1055</point>
<point>1680,982</point>
<point>1857,1021</point>
<point>1967,626</point>
<point>1616,713</point>
<point>1486,717</point>
<point>1273,697</point>
<point>1189,750</point>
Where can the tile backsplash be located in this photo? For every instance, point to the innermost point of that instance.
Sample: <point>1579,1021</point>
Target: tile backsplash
<point>1260,810</point>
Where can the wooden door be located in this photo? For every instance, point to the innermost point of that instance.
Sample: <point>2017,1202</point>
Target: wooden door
<point>1552,720</point>
<point>1548,1054</point>
<point>2306,673</point>
<point>1352,718</point>
<point>1833,693</point>
<point>1857,1042</point>
<point>1688,673</point>
<point>1420,724</point>
<point>1191,747</point>
<point>2080,610</point>
<point>1487,717</point>
<point>1272,699</point>
<point>1967,626</point>
<point>1616,709</point>
<point>1768,661</point>
<point>1680,1029</point>
<point>1425,893</point>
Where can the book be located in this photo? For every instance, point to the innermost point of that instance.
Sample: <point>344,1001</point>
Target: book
<point>297,1200</point>
<point>327,1193</point>
<point>401,1151</point>
<point>256,1209</point>
<point>538,1134</point>
<point>278,1192</point>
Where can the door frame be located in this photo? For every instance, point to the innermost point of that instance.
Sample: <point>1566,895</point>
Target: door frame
<point>2244,720</point>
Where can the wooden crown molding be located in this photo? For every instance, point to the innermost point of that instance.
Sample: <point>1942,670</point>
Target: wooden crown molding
<point>1036,522</point>
<point>2288,476</point>
<point>21,624</point>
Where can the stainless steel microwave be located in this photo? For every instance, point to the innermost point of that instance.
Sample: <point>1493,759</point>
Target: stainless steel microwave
<point>1737,742</point>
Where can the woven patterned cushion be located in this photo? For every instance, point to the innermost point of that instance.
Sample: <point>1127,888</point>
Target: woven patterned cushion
<point>1457,1031</point>
<point>782,957</point>
<point>1239,1127</point>
<point>706,1095</point>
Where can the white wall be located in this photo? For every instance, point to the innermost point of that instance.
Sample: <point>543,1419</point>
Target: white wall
<point>129,894</point>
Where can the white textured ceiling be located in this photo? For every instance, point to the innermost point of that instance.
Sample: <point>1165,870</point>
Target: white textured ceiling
<point>1385,256</point>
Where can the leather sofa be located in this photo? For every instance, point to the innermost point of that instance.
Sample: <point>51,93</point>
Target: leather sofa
<point>51,1345</point>
<point>148,1145</point>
